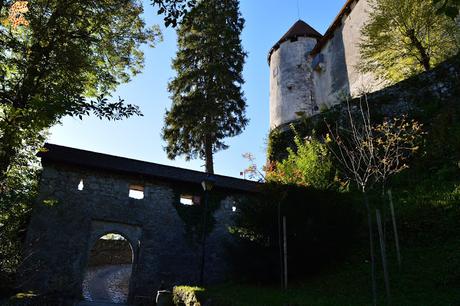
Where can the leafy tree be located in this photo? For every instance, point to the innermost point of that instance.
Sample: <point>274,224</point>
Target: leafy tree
<point>321,224</point>
<point>403,38</point>
<point>370,153</point>
<point>309,166</point>
<point>173,10</point>
<point>208,103</point>
<point>16,204</point>
<point>449,7</point>
<point>65,59</point>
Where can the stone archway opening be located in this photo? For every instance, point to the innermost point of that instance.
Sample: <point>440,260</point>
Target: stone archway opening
<point>108,271</point>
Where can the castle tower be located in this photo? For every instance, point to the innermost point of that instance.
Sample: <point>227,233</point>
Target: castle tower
<point>291,84</point>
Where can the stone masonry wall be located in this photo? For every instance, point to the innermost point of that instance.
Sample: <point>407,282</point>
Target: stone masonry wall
<point>67,222</point>
<point>417,97</point>
<point>340,76</point>
<point>110,252</point>
<point>291,84</point>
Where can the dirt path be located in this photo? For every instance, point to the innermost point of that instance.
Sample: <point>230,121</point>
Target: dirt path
<point>107,284</point>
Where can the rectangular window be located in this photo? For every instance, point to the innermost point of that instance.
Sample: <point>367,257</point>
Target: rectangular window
<point>189,200</point>
<point>136,192</point>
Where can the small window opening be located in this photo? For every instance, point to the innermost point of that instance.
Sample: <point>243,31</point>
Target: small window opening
<point>81,185</point>
<point>234,208</point>
<point>136,192</point>
<point>189,200</point>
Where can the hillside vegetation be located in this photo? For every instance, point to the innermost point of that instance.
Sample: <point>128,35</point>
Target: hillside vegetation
<point>427,205</point>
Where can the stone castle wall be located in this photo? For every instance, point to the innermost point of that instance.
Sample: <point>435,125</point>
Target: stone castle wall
<point>290,81</point>
<point>339,75</point>
<point>418,97</point>
<point>303,84</point>
<point>110,252</point>
<point>67,222</point>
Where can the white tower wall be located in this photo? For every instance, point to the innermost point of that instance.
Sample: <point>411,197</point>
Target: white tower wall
<point>291,84</point>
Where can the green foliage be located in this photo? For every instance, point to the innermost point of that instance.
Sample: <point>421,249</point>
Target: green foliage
<point>18,192</point>
<point>208,103</point>
<point>309,166</point>
<point>403,38</point>
<point>188,296</point>
<point>427,207</point>
<point>173,10</point>
<point>321,225</point>
<point>66,61</point>
<point>192,216</point>
<point>450,8</point>
<point>429,277</point>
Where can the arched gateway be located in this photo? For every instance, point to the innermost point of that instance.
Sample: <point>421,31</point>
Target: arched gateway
<point>86,195</point>
<point>110,263</point>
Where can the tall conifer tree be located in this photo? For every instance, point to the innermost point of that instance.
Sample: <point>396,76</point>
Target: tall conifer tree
<point>208,103</point>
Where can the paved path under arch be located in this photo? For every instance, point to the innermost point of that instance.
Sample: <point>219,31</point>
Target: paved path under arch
<point>106,285</point>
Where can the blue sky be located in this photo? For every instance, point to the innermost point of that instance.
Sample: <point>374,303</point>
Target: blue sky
<point>140,137</point>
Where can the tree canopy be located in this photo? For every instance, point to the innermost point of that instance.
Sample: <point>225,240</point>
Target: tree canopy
<point>208,103</point>
<point>403,38</point>
<point>173,10</point>
<point>449,7</point>
<point>65,58</point>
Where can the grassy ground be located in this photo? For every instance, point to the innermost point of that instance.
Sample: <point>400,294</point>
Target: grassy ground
<point>429,220</point>
<point>429,276</point>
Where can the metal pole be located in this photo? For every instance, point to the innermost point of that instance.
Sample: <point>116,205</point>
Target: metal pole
<point>203,241</point>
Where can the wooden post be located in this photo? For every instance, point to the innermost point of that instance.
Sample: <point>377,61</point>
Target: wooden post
<point>285,253</point>
<point>280,243</point>
<point>371,249</point>
<point>384,256</point>
<point>395,228</point>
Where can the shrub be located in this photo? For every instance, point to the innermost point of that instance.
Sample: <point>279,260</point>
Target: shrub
<point>320,228</point>
<point>309,165</point>
<point>188,296</point>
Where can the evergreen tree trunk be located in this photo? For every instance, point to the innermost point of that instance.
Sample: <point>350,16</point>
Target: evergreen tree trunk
<point>208,154</point>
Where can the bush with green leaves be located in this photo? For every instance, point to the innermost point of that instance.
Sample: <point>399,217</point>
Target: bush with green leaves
<point>18,192</point>
<point>188,296</point>
<point>320,228</point>
<point>310,165</point>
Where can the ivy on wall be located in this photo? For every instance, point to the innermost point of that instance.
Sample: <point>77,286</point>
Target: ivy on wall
<point>192,215</point>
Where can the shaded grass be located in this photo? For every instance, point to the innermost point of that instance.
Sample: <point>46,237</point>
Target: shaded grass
<point>428,213</point>
<point>429,276</point>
